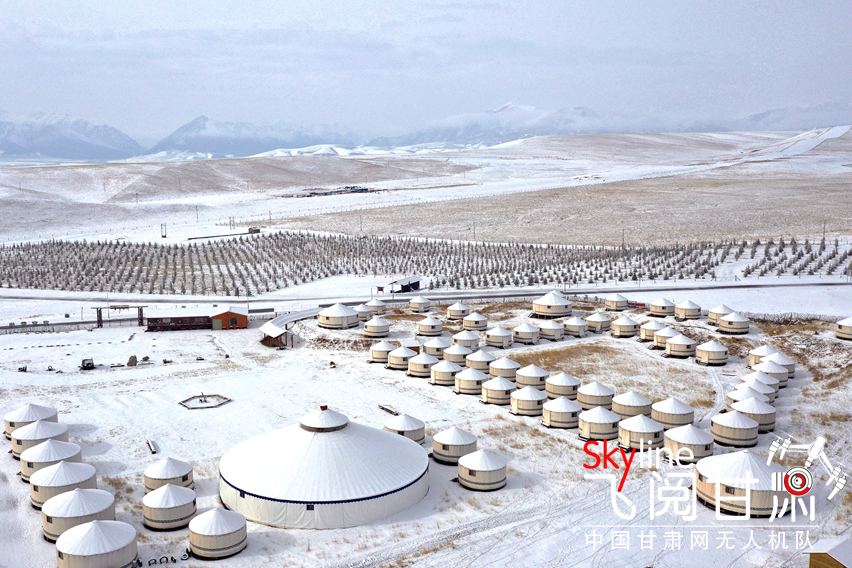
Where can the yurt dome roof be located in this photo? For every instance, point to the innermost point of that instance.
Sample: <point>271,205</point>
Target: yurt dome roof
<point>713,346</point>
<point>362,308</point>
<point>551,299</point>
<point>769,367</point>
<point>690,434</point>
<point>754,384</point>
<point>575,321</point>
<point>734,316</point>
<point>505,363</point>
<point>483,355</point>
<point>423,359</point>
<point>78,503</point>
<point>734,420</point>
<point>721,309</point>
<point>377,321</point>
<point>662,303</point>
<point>62,473</point>
<point>600,415</point>
<point>533,371</point>
<point>384,346</point>
<point>753,406</point>
<point>845,322</point>
<point>50,450</point>
<point>465,335</point>
<point>641,423</point>
<point>652,325</point>
<point>430,321</point>
<point>562,404</point>
<point>30,413</point>
<point>498,331</point>
<point>454,437</point>
<point>779,358</point>
<point>526,328</point>
<point>616,298</point>
<point>403,352</point>
<point>595,389</point>
<point>563,380</point>
<point>437,343</point>
<point>597,317</point>
<point>168,468</point>
<point>375,303</point>
<point>169,496</point>
<point>471,374</point>
<point>550,324</point>
<point>745,392</point>
<point>338,311</point>
<point>672,405</point>
<point>482,460</point>
<point>323,419</point>
<point>498,383</point>
<point>631,398</point>
<point>39,430</point>
<point>762,377</point>
<point>529,393</point>
<point>445,366</point>
<point>95,537</point>
<point>667,332</point>
<point>735,468</point>
<point>419,300</point>
<point>405,423</point>
<point>475,316</point>
<point>762,351</point>
<point>624,320</point>
<point>688,305</point>
<point>681,339</point>
<point>457,350</point>
<point>217,522</point>
<point>458,306</point>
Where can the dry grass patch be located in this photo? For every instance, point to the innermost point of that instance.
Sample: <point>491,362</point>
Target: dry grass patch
<point>341,344</point>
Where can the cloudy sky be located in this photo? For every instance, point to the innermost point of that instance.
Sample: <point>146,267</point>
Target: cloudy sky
<point>386,67</point>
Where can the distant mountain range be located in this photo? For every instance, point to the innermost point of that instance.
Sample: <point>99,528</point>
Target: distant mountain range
<point>58,137</point>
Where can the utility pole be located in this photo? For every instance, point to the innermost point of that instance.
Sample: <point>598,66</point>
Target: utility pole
<point>474,230</point>
<point>137,198</point>
<point>196,213</point>
<point>361,222</point>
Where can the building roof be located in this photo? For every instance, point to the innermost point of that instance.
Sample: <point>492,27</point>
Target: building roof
<point>721,309</point>
<point>551,299</point>
<point>419,300</point>
<point>377,321</point>
<point>430,321</point>
<point>471,374</point>
<point>550,324</point>
<point>78,503</point>
<point>423,359</point>
<point>667,332</point>
<point>241,310</point>
<point>616,298</point>
<point>526,328</point>
<point>625,321</point>
<point>62,474</point>
<point>457,307</point>
<point>482,460</point>
<point>529,393</point>
<point>681,339</point>
<point>338,311</point>
<point>575,321</point>
<point>760,387</point>
<point>505,363</point>
<point>278,326</point>
<point>597,317</point>
<point>688,305</point>
<point>672,405</point>
<point>438,343</point>
<point>457,350</point>
<point>744,392</point>
<point>734,317</point>
<point>563,380</point>
<point>753,406</point>
<point>445,366</point>
<point>374,303</point>
<point>847,321</point>
<point>769,367</point>
<point>169,496</point>
<point>402,352</point>
<point>734,420</point>
<point>662,303</point>
<point>407,280</point>
<point>779,358</point>
<point>96,537</point>
<point>762,377</point>
<point>631,398</point>
<point>732,469</point>
<point>763,351</point>
<point>839,549</point>
<point>641,423</point>
<point>50,450</point>
<point>384,346</point>
<point>600,415</point>
<point>652,325</point>
<point>168,468</point>
<point>454,437</point>
<point>595,389</point>
<point>690,434</point>
<point>483,355</point>
<point>475,316</point>
<point>498,332</point>
<point>499,383</point>
<point>404,423</point>
<point>217,522</point>
<point>363,308</point>
<point>465,335</point>
<point>562,404</point>
<point>30,413</point>
<point>713,346</point>
<point>533,371</point>
<point>39,430</point>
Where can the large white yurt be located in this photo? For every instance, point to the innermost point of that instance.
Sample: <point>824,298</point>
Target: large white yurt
<point>598,323</point>
<point>663,335</point>
<point>97,544</point>
<point>475,322</point>
<point>72,508</point>
<point>734,429</point>
<point>379,351</point>
<point>497,391</point>
<point>525,333</point>
<point>734,324</point>
<point>364,312</point>
<point>27,414</point>
<point>168,470</point>
<point>680,346</point>
<point>457,354</point>
<point>760,412</point>
<point>376,327</point>
<point>467,339</point>
<point>711,353</point>
<point>378,306</point>
<point>326,472</point>
<point>640,432</point>
<point>217,534</point>
<point>784,361</point>
<point>687,310</point>
<point>469,381</point>
<point>551,330</point>
<point>338,316</point>
<point>672,412</point>
<point>527,401</point>
<point>443,373</point>
<point>407,426</point>
<point>662,308</point>
<point>430,327</point>
<point>843,330</point>
<point>35,433</point>
<point>419,304</point>
<point>756,355</point>
<point>561,413</point>
<point>46,454</point>
<point>504,367</point>
<point>773,370</point>
<point>458,311</point>
<point>449,445</point>
<point>595,394</point>
<point>599,424</point>
<point>714,315</point>
<point>764,389</point>
<point>763,378</point>
<point>531,376</point>
<point>168,507</point>
<point>480,360</point>
<point>562,385</point>
<point>624,327</point>
<point>630,404</point>
<point>498,337</point>
<point>682,440</point>
<point>575,326</point>
<point>615,303</point>
<point>742,393</point>
<point>725,476</point>
<point>399,357</point>
<point>648,329</point>
<point>435,347</point>
<point>551,305</point>
<point>482,471</point>
<point>59,478</point>
<point>421,365</point>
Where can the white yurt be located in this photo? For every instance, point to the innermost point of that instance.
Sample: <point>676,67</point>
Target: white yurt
<point>680,346</point>
<point>598,323</point>
<point>59,478</point>
<point>443,373</point>
<point>217,534</point>
<point>551,305</point>
<point>784,361</point>
<point>756,355</point>
<point>168,470</point>
<point>378,306</point>
<point>773,370</point>
<point>379,351</point>
<point>457,354</point>
<point>660,337</point>
<point>469,381</point>
<point>551,330</point>
<point>399,357</point>
<point>575,326</point>
<point>624,327</point>
<point>46,454</point>
<point>497,391</point>
<point>763,378</point>
<point>27,414</point>
<point>326,472</point>
<point>743,393</point>
<point>630,404</point>
<point>672,412</point>
<point>561,413</point>
<point>430,327</point>
<point>525,333</point>
<point>467,339</point>
<point>475,322</point>
<point>97,544</point>
<point>734,324</point>
<point>169,507</point>
<point>764,389</point>
<point>532,376</point>
<point>407,426</point>
<point>662,308</point>
<point>421,365</point>
<point>599,424</point>
<point>449,445</point>
<point>684,439</point>
<point>648,329</point>
<point>435,347</point>
<point>498,337</point>
<point>527,401</point>
<point>640,432</point>
<point>338,316</point>
<point>760,412</point>
<point>376,327</point>
<point>364,312</point>
<point>482,471</point>
<point>615,303</point>
<point>504,367</point>
<point>72,508</point>
<point>458,311</point>
<point>714,315</point>
<point>843,330</point>
<point>35,433</point>
<point>711,353</point>
<point>734,429</point>
<point>561,385</point>
<point>730,472</point>
<point>480,360</point>
<point>419,304</point>
<point>687,310</point>
<point>595,394</point>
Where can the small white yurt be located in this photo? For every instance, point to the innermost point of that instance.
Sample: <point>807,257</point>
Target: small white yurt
<point>734,429</point>
<point>376,327</point>
<point>46,454</point>
<point>764,389</point>
<point>467,339</point>
<point>561,413</point>
<point>680,346</point>
<point>648,329</point>
<point>615,303</point>
<point>27,414</point>
<point>551,330</point>
<point>217,534</point>
<point>504,367</point>
<point>599,424</point>
<point>457,354</point>
<point>458,311</point>
<point>730,472</point>
<point>630,404</point>
<point>72,508</point>
<point>338,316</point>
<point>421,365</point>
<point>763,378</point>
<point>97,544</point>
<point>475,322</point>
<point>660,337</point>
<point>743,393</point>
<point>682,440</point>
<point>711,353</point>
<point>449,445</point>
<point>482,471</point>
<point>760,412</point>
<point>624,327</point>
<point>498,337</point>
<point>773,370</point>
<point>687,310</point>
<point>598,323</point>
<point>525,333</point>
<point>35,433</point>
<point>407,426</point>
<point>498,391</point>
<point>168,470</point>
<point>784,361</point>
<point>364,312</point>
<point>527,401</point>
<point>532,376</point>
<point>561,385</point>
<point>734,324</point>
<point>378,306</point>
<point>756,355</point>
<point>595,394</point>
<point>469,381</point>
<point>430,327</point>
<point>672,412</point>
<point>399,357</point>
<point>169,507</point>
<point>435,347</point>
<point>714,315</point>
<point>640,432</point>
<point>379,351</point>
<point>551,305</point>
<point>443,373</point>
<point>662,308</point>
<point>575,326</point>
<point>480,360</point>
<point>419,304</point>
<point>843,330</point>
<point>59,478</point>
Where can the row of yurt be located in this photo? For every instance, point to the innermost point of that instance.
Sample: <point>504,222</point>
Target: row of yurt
<point>767,380</point>
<point>551,305</point>
<point>765,389</point>
<point>843,330</point>
<point>498,337</point>
<point>26,415</point>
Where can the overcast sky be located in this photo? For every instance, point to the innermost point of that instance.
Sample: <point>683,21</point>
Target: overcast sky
<point>387,67</point>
